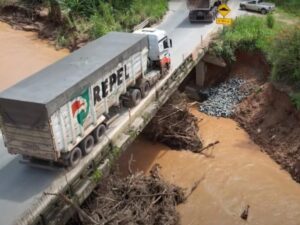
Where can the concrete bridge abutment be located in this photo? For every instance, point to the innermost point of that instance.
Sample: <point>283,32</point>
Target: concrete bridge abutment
<point>201,70</point>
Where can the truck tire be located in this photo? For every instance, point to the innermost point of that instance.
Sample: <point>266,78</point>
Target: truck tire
<point>168,66</point>
<point>243,7</point>
<point>164,71</point>
<point>99,131</point>
<point>145,89</point>
<point>135,96</point>
<point>263,11</point>
<point>87,144</point>
<point>75,157</point>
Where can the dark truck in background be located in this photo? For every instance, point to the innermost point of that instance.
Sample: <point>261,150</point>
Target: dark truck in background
<point>203,10</point>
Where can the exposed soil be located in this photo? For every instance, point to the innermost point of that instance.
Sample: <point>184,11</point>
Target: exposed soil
<point>135,199</point>
<point>273,123</point>
<point>268,115</point>
<point>251,66</point>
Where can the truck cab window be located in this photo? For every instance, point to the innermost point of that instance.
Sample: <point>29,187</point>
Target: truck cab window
<point>166,44</point>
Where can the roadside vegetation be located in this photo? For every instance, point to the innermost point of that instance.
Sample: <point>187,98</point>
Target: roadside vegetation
<point>248,33</point>
<point>73,22</point>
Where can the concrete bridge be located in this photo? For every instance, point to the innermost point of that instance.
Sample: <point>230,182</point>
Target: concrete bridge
<point>25,192</point>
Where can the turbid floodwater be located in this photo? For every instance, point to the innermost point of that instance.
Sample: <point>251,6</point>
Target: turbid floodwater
<point>23,54</point>
<point>234,174</point>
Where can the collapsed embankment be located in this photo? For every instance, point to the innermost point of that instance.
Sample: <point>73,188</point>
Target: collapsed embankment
<point>264,111</point>
<point>268,114</point>
<point>273,122</point>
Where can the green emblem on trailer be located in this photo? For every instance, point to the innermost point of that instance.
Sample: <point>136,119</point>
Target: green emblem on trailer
<point>81,107</point>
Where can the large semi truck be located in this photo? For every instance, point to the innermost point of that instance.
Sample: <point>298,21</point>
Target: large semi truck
<point>59,113</point>
<point>203,10</point>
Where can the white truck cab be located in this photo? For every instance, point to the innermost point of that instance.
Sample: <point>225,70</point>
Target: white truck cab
<point>159,46</point>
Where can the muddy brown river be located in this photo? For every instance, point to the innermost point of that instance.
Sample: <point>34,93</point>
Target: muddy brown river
<point>234,174</point>
<point>22,54</point>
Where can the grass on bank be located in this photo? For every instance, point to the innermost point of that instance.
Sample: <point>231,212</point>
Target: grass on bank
<point>248,33</point>
<point>94,18</point>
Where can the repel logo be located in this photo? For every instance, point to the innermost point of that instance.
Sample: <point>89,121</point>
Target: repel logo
<point>81,107</point>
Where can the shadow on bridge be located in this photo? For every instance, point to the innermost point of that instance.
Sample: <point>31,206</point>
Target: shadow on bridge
<point>30,183</point>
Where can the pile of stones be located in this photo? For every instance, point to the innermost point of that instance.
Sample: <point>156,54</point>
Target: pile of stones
<point>221,100</point>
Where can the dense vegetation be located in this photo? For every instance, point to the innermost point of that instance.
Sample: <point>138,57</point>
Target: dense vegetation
<point>97,17</point>
<point>110,15</point>
<point>289,6</point>
<point>83,20</point>
<point>249,33</point>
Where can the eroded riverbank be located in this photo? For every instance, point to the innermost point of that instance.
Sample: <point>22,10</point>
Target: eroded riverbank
<point>236,175</point>
<point>23,54</point>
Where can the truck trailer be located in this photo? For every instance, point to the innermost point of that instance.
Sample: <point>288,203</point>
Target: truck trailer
<point>203,10</point>
<point>59,113</point>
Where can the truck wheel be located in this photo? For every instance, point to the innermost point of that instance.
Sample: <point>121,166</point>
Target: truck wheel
<point>168,66</point>
<point>75,156</point>
<point>164,71</point>
<point>263,11</point>
<point>99,131</point>
<point>87,144</point>
<point>136,97</point>
<point>145,89</point>
<point>243,7</point>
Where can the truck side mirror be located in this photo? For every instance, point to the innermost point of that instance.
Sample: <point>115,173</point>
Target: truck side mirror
<point>171,43</point>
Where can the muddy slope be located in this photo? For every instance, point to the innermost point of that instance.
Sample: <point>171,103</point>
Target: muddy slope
<point>273,123</point>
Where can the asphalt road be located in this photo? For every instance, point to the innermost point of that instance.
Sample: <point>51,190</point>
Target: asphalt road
<point>22,185</point>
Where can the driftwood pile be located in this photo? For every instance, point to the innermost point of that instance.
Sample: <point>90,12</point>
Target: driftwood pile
<point>135,199</point>
<point>175,126</point>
